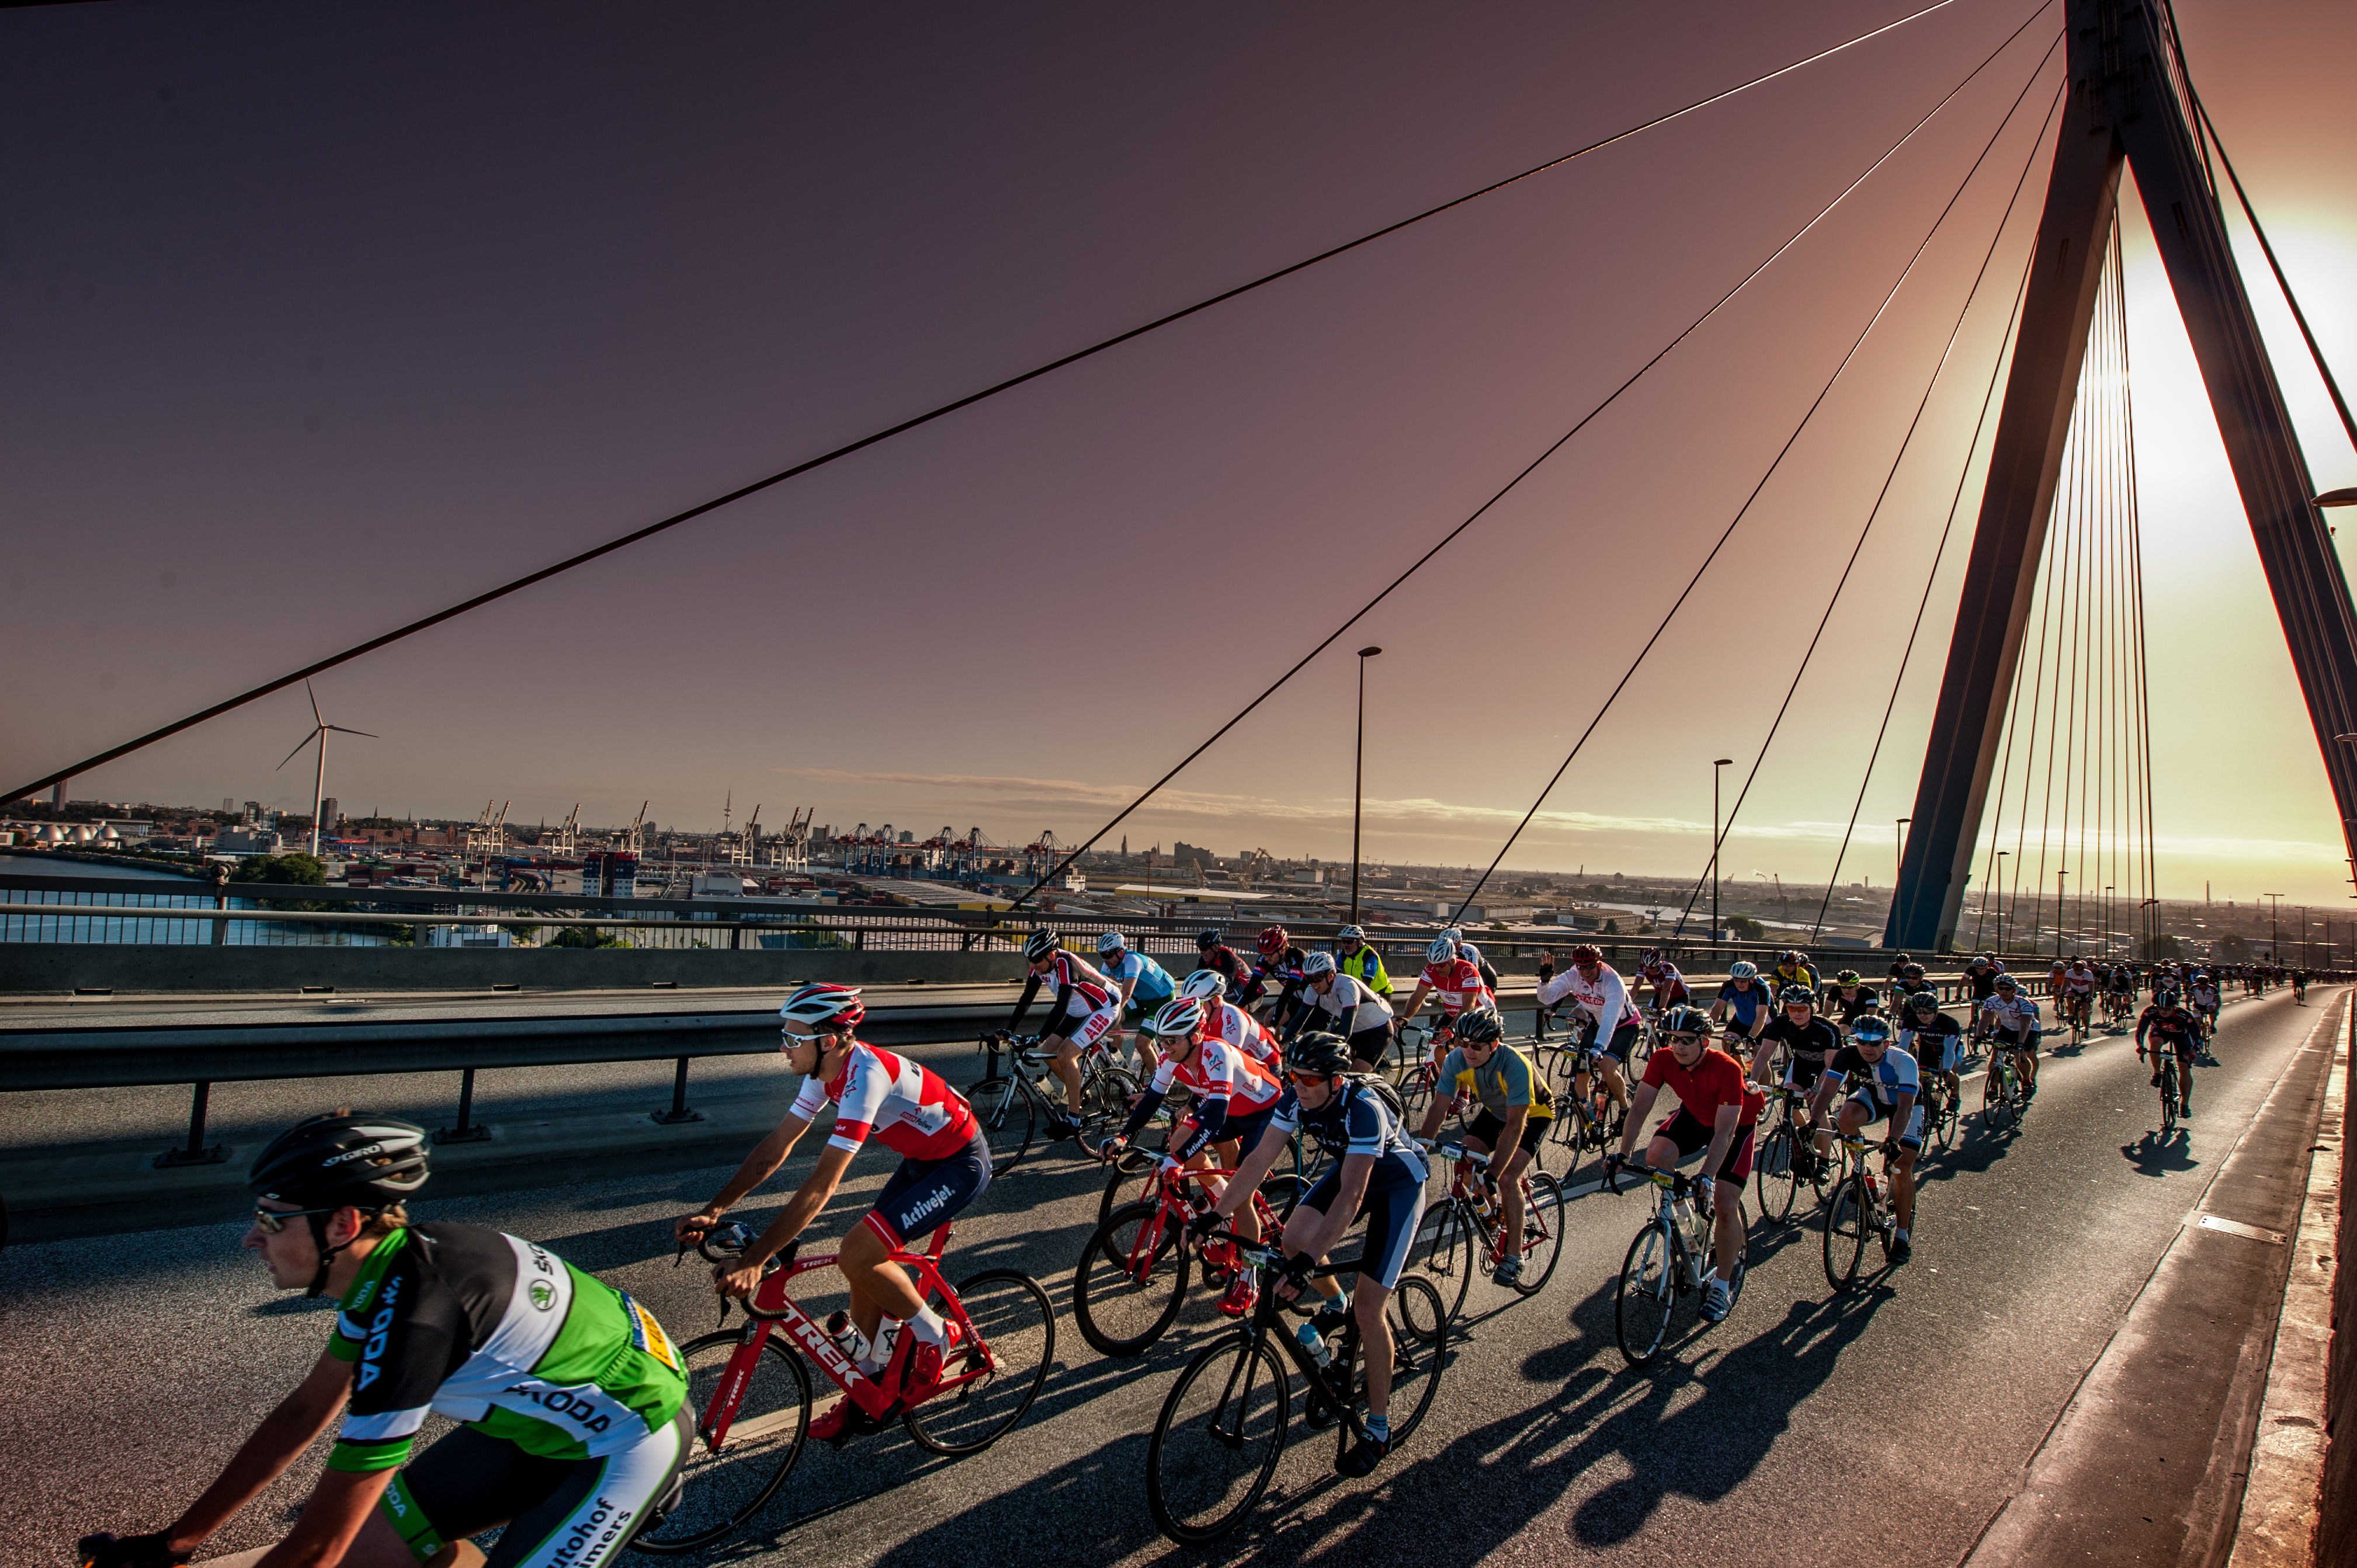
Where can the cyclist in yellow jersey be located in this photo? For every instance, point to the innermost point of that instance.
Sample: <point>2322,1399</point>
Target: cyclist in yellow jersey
<point>1517,1109</point>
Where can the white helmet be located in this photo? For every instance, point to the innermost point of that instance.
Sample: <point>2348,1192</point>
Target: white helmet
<point>1111,941</point>
<point>1318,963</point>
<point>1204,985</point>
<point>1454,933</point>
<point>825,1006</point>
<point>1178,1017</point>
<point>1468,952</point>
<point>1443,949</point>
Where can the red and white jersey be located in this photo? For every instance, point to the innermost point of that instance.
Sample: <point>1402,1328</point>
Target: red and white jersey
<point>1091,991</point>
<point>1458,981</point>
<point>1217,1069</point>
<point>1226,1021</point>
<point>1604,999</point>
<point>1669,985</point>
<point>2081,978</point>
<point>908,1107</point>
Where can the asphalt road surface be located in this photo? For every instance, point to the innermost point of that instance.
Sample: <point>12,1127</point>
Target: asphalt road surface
<point>1887,1426</point>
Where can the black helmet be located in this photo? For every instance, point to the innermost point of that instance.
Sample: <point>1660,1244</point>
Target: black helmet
<point>1327,1056</point>
<point>1846,977</point>
<point>1797,995</point>
<point>1684,1020</point>
<point>1480,1026</point>
<point>1040,945</point>
<point>1204,940</point>
<point>1910,971</point>
<point>366,1161</point>
<point>1923,1002</point>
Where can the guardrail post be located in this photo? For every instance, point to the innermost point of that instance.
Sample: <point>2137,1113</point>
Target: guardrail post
<point>196,1153</point>
<point>678,1111</point>
<point>469,1130</point>
<point>735,937</point>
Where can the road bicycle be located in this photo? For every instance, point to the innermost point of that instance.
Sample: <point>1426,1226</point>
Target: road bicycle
<point>1010,1104</point>
<point>1132,1177</point>
<point>2074,1013</point>
<point>1859,1205</point>
<point>1133,1271</point>
<point>1583,1122</point>
<point>1224,1424</point>
<point>1670,1259</point>
<point>1779,1169</point>
<point>1418,1076</point>
<point>1468,1222</point>
<point>1942,1113</point>
<point>750,1393</point>
<point>2171,1092</point>
<point>2002,1102</point>
<point>2118,1008</point>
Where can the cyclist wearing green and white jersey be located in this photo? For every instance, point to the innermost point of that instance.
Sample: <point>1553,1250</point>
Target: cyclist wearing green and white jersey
<point>573,1399</point>
<point>1517,1109</point>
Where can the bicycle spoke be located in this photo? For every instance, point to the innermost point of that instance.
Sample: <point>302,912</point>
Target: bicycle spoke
<point>722,1487</point>
<point>1217,1438</point>
<point>1131,1280</point>
<point>1004,1364</point>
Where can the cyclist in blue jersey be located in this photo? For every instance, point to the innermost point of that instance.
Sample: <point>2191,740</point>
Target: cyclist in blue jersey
<point>1743,1001</point>
<point>1379,1173</point>
<point>1143,985</point>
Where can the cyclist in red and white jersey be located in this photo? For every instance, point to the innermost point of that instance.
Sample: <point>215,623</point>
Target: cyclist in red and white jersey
<point>1232,1097</point>
<point>1668,986</point>
<point>944,1167</point>
<point>1086,1006</point>
<point>1221,1018</point>
<point>1452,977</point>
<point>1277,973</point>
<point>1597,990</point>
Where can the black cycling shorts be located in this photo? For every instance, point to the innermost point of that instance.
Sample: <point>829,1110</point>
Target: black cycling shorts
<point>1692,1135</point>
<point>1489,1127</point>
<point>559,1513</point>
<point>1368,1046</point>
<point>922,1196</point>
<point>1803,1072</point>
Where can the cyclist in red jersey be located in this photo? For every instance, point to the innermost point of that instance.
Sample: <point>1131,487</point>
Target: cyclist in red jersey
<point>1718,1113</point>
<point>944,1167</point>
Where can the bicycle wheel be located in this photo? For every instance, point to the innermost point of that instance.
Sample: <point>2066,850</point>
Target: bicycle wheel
<point>1130,1181</point>
<point>1847,1225</point>
<point>1567,1135</point>
<point>1442,1255</point>
<point>1944,1131</point>
<point>1778,1181</point>
<point>1016,1325</point>
<point>722,1487</point>
<point>1648,1296</point>
<point>2168,1103</point>
<point>1415,1086</point>
<point>1217,1440</point>
<point>1419,1344</point>
<point>1005,1108</point>
<point>1542,1233</point>
<point>1123,1303</point>
<point>1996,1115</point>
<point>1281,1193</point>
<point>1105,1102</point>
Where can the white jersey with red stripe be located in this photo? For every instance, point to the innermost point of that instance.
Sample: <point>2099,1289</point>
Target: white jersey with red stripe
<point>1217,1070</point>
<point>1089,992</point>
<point>2081,979</point>
<point>1228,1022</point>
<point>907,1106</point>
<point>1458,983</point>
<point>1604,999</point>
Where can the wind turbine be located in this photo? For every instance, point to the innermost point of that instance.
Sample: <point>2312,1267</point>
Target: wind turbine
<point>320,728</point>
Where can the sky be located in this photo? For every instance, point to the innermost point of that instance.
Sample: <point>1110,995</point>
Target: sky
<point>313,320</point>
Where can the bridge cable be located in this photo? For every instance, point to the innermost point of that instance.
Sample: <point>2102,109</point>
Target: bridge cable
<point>1011,383</point>
<point>1890,476</point>
<point>1963,475</point>
<point>1058,868</point>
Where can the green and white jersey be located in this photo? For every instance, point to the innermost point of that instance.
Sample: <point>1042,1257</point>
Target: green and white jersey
<point>494,1331</point>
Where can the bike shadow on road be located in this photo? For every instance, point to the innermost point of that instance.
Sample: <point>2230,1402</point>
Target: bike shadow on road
<point>2159,1154</point>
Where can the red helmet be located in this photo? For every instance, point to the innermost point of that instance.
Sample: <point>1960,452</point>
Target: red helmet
<point>1272,941</point>
<point>1586,952</point>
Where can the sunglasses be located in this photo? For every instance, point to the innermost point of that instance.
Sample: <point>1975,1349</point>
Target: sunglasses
<point>274,1220</point>
<point>1306,1077</point>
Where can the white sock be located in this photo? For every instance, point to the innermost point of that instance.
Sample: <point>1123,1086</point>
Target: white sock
<point>928,1325</point>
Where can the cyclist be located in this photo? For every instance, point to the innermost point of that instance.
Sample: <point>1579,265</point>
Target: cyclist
<point>1809,1043</point>
<point>1472,955</point>
<point>1743,1003</point>
<point>1144,984</point>
<point>2169,1021</point>
<point>1900,982</point>
<point>2078,992</point>
<point>944,1167</point>
<point>1935,1040</point>
<point>1888,1085</point>
<point>1231,1097</point>
<point>1794,969</point>
<point>1542,1015</point>
<point>1668,986</point>
<point>1717,1116</point>
<point>1596,991</point>
<point>2300,985</point>
<point>1279,965</point>
<point>1379,1173</point>
<point>2011,1017</point>
<point>2120,989</point>
<point>1850,999</point>
<point>1352,1010</point>
<point>1083,1010</point>
<point>1221,1018</point>
<point>1982,972</point>
<point>571,1395</point>
<point>2202,994</point>
<point>1361,962</point>
<point>1516,1112</point>
<point>1212,953</point>
<point>1450,976</point>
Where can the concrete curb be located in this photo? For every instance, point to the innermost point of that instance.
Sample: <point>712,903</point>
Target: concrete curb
<point>2287,1475</point>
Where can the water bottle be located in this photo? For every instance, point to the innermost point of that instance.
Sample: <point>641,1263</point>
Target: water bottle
<point>1313,1343</point>
<point>846,1336</point>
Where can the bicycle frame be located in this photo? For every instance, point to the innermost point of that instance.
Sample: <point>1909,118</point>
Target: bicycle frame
<point>1172,1195</point>
<point>772,1305</point>
<point>1270,1260</point>
<point>1668,1187</point>
<point>1464,1163</point>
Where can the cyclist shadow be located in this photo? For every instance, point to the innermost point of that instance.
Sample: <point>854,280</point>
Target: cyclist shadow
<point>2157,1155</point>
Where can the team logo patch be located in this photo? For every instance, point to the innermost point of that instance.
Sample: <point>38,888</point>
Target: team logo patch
<point>648,1335</point>
<point>543,1294</point>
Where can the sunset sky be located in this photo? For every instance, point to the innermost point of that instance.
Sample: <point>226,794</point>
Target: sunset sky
<point>313,320</point>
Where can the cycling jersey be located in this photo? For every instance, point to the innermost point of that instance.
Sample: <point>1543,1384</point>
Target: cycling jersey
<point>1669,985</point>
<point>1283,972</point>
<point>1354,1007</point>
<point>1226,1021</point>
<point>1811,1043</point>
<point>1786,975</point>
<point>1604,999</point>
<point>1154,985</point>
<point>1855,1006</point>
<point>2170,1022</point>
<point>1230,967</point>
<point>1715,1080</point>
<point>906,1106</point>
<point>2206,996</point>
<point>2079,980</point>
<point>500,1334</point>
<point>1882,1082</point>
<point>1984,980</point>
<point>2017,1017</point>
<point>1458,983</point>
<point>1506,1081</point>
<point>1356,1121</point>
<point>1228,1087</point>
<point>1367,965</point>
<point>1743,999</point>
<point>1938,1045</point>
<point>1080,998</point>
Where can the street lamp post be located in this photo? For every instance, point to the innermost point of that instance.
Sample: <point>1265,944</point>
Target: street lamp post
<point>2275,934</point>
<point>2000,898</point>
<point>2061,898</point>
<point>2106,914</point>
<point>1357,777</point>
<point>1714,766</point>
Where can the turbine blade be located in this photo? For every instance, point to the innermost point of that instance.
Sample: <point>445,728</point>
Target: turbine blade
<point>298,749</point>
<point>316,719</point>
<point>342,730</point>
